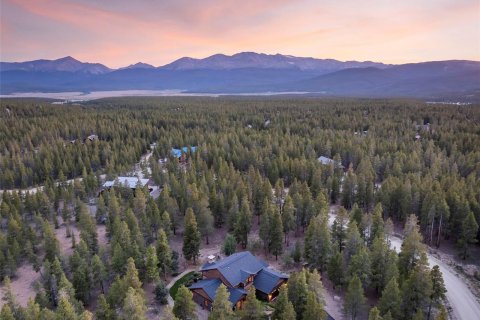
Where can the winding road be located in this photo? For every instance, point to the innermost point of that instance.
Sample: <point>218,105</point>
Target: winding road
<point>464,304</point>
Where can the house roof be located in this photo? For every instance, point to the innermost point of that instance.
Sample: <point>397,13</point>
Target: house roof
<point>178,152</point>
<point>130,181</point>
<point>237,267</point>
<point>327,161</point>
<point>210,287</point>
<point>267,279</point>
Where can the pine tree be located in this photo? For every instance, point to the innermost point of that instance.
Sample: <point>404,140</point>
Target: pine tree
<point>131,278</point>
<point>288,217</point>
<point>297,291</point>
<point>133,306</point>
<point>335,269</point>
<point>168,314</point>
<point>438,288</point>
<point>281,303</point>
<point>221,307</point>
<point>98,272</point>
<point>374,314</point>
<point>184,307</point>
<point>164,253</point>
<point>289,313</point>
<point>6,313</point>
<point>339,228</point>
<point>442,315</point>
<point>65,310</point>
<point>243,224</point>
<point>318,243</point>
<point>252,308</point>
<point>104,311</point>
<point>51,245</point>
<point>315,285</point>
<point>360,266</point>
<point>417,288</point>
<point>354,299</point>
<point>412,247</point>
<point>151,264</point>
<point>276,234</point>
<point>390,301</point>
<point>191,237</point>
<point>313,309</point>
<point>468,235</point>
<point>229,245</point>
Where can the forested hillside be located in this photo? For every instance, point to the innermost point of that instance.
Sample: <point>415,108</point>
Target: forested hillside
<point>255,175</point>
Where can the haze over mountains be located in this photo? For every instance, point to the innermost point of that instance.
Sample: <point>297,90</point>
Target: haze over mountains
<point>250,72</point>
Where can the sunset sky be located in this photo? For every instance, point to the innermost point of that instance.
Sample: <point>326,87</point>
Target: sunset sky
<point>121,32</point>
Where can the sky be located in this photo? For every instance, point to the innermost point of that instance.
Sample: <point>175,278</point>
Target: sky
<point>122,32</point>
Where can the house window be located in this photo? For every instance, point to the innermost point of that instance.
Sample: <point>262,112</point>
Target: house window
<point>250,279</point>
<point>205,303</point>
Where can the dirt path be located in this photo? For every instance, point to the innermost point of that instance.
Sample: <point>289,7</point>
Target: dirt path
<point>463,302</point>
<point>172,282</point>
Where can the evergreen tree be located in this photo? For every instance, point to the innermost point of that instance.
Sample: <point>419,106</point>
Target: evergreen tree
<point>281,303</point>
<point>191,237</point>
<point>354,299</point>
<point>297,291</point>
<point>289,313</point>
<point>51,245</point>
<point>131,279</point>
<point>313,309</point>
<point>288,217</point>
<point>318,243</point>
<point>221,307</point>
<point>442,315</point>
<point>336,269</point>
<point>417,289</point>
<point>168,314</point>
<point>229,245</point>
<point>412,247</point>
<point>391,300</point>
<point>104,311</point>
<point>276,234</point>
<point>6,313</point>
<point>164,253</point>
<point>339,228</point>
<point>65,310</point>
<point>374,314</point>
<point>438,288</point>
<point>161,293</point>
<point>133,306</point>
<point>468,235</point>
<point>184,307</point>
<point>252,308</point>
<point>151,263</point>
<point>243,224</point>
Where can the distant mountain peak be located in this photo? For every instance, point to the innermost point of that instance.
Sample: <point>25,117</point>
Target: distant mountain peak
<point>139,65</point>
<point>65,64</point>
<point>67,59</point>
<point>249,59</point>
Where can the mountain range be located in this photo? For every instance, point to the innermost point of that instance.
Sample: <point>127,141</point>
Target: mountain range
<point>250,72</point>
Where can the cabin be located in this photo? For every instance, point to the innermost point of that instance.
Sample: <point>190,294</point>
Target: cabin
<point>129,182</point>
<point>237,272</point>
<point>91,137</point>
<point>181,154</point>
<point>327,161</point>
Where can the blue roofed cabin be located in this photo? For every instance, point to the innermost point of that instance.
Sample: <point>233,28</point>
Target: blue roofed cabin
<point>237,272</point>
<point>181,154</point>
